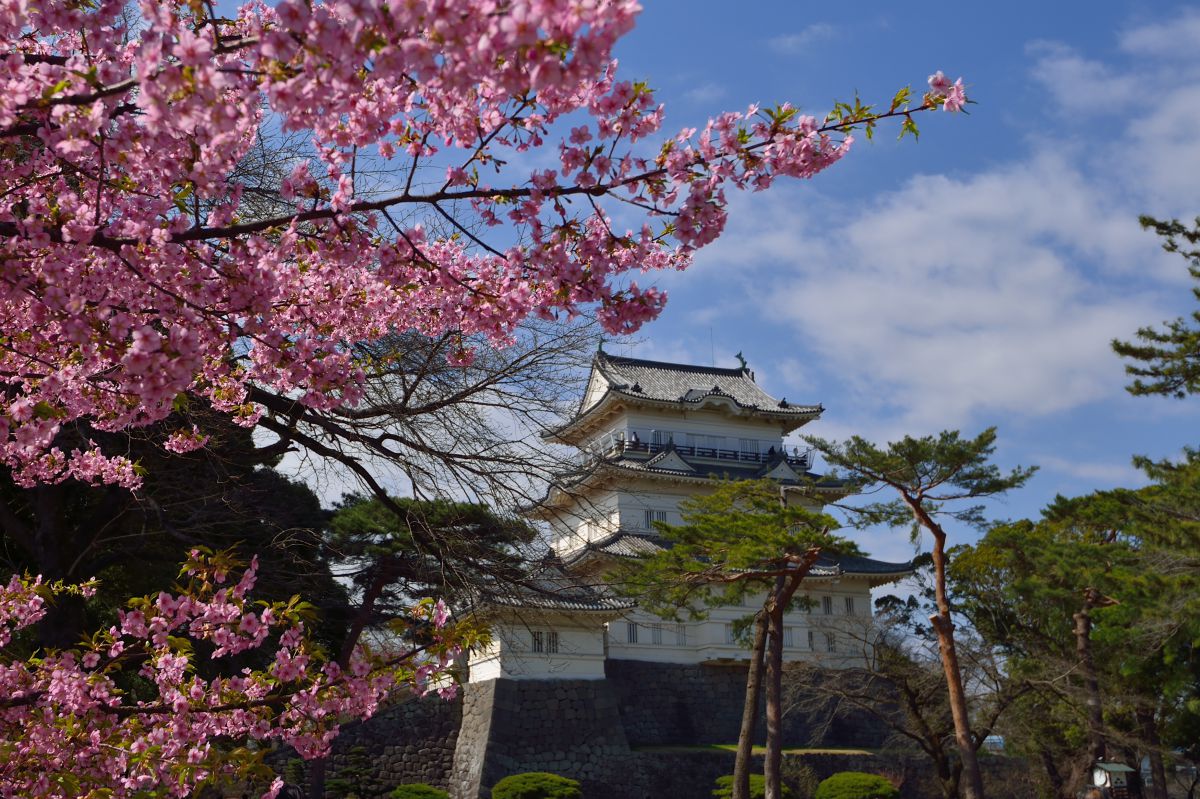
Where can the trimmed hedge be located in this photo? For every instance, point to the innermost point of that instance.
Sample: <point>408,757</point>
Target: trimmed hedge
<point>856,785</point>
<point>536,785</point>
<point>758,788</point>
<point>418,790</point>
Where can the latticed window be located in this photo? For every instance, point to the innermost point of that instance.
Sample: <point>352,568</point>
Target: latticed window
<point>849,606</point>
<point>810,639</point>
<point>681,634</point>
<point>552,642</point>
<point>827,605</point>
<point>830,642</point>
<point>729,639</point>
<point>631,632</point>
<point>539,641</point>
<point>789,637</point>
<point>652,516</point>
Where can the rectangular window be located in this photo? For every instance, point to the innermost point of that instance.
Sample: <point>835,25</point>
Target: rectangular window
<point>808,604</point>
<point>545,642</point>
<point>656,634</point>
<point>681,634</point>
<point>748,445</point>
<point>789,637</point>
<point>827,605</point>
<point>849,606</point>
<point>631,632</point>
<point>810,640</point>
<point>729,634</point>
<point>652,516</point>
<point>830,643</point>
<point>660,437</point>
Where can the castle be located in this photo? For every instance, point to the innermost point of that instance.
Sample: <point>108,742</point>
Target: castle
<point>649,435</point>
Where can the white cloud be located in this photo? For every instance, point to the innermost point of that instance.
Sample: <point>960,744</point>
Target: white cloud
<point>1114,474</point>
<point>705,93</point>
<point>952,300</point>
<point>1177,38</point>
<point>797,43</point>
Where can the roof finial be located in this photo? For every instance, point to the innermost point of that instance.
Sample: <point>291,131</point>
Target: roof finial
<point>600,346</point>
<point>741,359</point>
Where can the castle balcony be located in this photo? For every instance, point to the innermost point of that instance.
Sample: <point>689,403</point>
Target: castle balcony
<point>615,445</point>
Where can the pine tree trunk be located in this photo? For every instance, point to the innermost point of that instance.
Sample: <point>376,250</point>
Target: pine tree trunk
<point>972,778</point>
<point>773,762</point>
<point>385,573</point>
<point>1158,771</point>
<point>1091,683</point>
<point>745,750</point>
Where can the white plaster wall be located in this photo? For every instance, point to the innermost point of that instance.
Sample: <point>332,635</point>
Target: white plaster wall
<point>706,639</point>
<point>580,654</point>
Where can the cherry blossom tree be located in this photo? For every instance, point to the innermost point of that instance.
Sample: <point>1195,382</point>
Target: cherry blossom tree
<point>71,723</point>
<point>135,270</point>
<point>140,266</point>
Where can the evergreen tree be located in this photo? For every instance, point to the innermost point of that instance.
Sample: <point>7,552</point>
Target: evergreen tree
<point>934,477</point>
<point>741,540</point>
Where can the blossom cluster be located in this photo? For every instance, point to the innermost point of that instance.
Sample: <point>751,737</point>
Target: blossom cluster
<point>133,271</point>
<point>66,727</point>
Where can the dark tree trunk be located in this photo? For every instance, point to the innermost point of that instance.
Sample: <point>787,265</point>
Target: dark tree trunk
<point>1158,770</point>
<point>745,750</point>
<point>773,761</point>
<point>1091,683</point>
<point>385,573</point>
<point>943,625</point>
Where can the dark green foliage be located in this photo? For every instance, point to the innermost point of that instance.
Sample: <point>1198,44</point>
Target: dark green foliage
<point>732,543</point>
<point>536,785</point>
<point>224,495</point>
<point>392,544</point>
<point>937,472</point>
<point>1166,360</point>
<point>758,788</point>
<point>418,790</point>
<point>856,785</point>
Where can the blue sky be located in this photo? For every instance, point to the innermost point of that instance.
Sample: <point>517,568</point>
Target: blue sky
<point>975,277</point>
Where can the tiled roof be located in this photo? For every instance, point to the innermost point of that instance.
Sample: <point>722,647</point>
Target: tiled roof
<point>629,545</point>
<point>685,383</point>
<point>549,587</point>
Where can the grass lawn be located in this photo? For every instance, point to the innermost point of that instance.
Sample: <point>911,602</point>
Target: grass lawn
<point>758,750</point>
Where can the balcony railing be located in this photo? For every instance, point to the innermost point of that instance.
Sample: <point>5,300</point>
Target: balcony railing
<point>612,446</point>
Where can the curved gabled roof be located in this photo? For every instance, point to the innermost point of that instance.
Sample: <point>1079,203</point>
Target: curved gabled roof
<point>635,381</point>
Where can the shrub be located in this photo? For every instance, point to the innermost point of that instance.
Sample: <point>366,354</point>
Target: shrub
<point>418,790</point>
<point>536,785</point>
<point>856,785</point>
<point>758,788</point>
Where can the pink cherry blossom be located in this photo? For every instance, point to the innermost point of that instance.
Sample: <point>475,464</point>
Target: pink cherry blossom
<point>132,271</point>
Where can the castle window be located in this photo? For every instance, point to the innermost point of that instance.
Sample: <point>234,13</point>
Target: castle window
<point>656,634</point>
<point>631,632</point>
<point>830,642</point>
<point>729,639</point>
<point>681,634</point>
<point>849,606</point>
<point>653,516</point>
<point>827,605</point>
<point>810,640</point>
<point>748,445</point>
<point>789,637</point>
<point>545,642</point>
